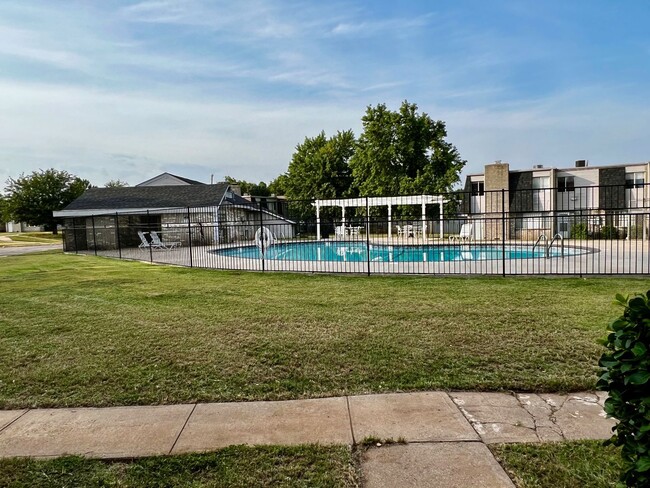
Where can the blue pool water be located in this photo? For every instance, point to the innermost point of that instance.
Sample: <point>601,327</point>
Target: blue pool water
<point>357,252</point>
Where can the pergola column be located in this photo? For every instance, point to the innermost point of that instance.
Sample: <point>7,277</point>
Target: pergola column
<point>343,215</point>
<point>317,220</point>
<point>442,223</point>
<point>367,218</point>
<point>424,220</point>
<point>390,220</point>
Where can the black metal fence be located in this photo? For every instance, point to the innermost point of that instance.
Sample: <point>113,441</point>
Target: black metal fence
<point>576,231</point>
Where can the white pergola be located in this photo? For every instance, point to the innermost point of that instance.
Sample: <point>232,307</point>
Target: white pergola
<point>368,202</point>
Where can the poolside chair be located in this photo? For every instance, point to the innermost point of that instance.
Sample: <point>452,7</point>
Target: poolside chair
<point>465,234</point>
<point>339,231</point>
<point>157,243</point>
<point>144,242</point>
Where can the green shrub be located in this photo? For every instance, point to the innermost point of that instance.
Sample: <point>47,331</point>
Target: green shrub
<point>636,232</point>
<point>579,231</point>
<point>609,232</point>
<point>626,377</point>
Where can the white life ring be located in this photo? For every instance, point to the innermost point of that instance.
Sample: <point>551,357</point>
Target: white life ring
<point>264,239</point>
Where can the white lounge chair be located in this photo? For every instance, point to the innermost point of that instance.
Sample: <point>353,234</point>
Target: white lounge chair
<point>157,243</point>
<point>144,242</point>
<point>339,231</point>
<point>465,234</point>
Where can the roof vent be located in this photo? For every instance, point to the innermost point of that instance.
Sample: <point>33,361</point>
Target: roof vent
<point>582,163</point>
<point>538,166</point>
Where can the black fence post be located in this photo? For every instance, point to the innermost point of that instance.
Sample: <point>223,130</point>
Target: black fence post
<point>74,236</point>
<point>368,234</point>
<point>92,217</point>
<point>189,235</point>
<point>503,232</point>
<point>117,235</point>
<point>150,248</point>
<point>262,237</point>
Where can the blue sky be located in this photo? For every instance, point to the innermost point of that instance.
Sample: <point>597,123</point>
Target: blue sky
<point>127,89</point>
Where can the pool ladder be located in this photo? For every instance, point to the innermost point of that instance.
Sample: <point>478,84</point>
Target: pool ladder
<point>549,245</point>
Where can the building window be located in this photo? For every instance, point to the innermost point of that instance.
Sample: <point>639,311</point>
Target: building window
<point>478,189</point>
<point>565,184</point>
<point>634,180</point>
<point>533,223</point>
<point>541,194</point>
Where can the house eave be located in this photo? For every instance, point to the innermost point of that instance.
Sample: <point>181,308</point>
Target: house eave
<point>116,211</point>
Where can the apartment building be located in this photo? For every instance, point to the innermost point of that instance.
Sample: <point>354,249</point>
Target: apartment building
<point>542,200</point>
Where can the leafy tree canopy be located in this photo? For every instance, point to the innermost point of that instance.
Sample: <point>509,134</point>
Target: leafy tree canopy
<point>319,168</point>
<point>116,184</point>
<point>259,190</point>
<point>33,198</point>
<point>278,186</point>
<point>4,210</point>
<point>403,153</point>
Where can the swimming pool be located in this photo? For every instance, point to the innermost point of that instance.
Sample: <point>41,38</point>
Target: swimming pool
<point>358,252</point>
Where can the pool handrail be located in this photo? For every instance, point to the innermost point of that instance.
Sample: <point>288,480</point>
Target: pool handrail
<point>541,236</point>
<point>555,237</point>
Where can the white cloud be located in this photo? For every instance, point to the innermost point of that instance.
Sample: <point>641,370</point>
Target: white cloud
<point>256,18</point>
<point>30,45</point>
<point>373,27</point>
<point>46,125</point>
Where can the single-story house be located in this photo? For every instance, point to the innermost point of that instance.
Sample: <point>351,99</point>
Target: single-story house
<point>108,218</point>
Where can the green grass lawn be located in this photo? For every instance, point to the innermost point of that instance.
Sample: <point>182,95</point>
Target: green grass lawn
<point>237,466</point>
<point>557,465</point>
<point>562,465</point>
<point>88,331</point>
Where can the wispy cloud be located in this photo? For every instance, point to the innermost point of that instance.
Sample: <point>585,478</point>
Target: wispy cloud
<point>30,45</point>
<point>257,18</point>
<point>369,28</point>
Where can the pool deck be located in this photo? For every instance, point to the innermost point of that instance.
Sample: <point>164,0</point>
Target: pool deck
<point>618,257</point>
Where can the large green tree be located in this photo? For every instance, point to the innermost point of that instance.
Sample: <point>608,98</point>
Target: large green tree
<point>255,189</point>
<point>278,186</point>
<point>319,168</point>
<point>404,153</point>
<point>4,210</point>
<point>33,198</point>
<point>116,184</point>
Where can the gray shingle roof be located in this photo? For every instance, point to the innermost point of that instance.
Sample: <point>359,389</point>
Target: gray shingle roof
<point>145,197</point>
<point>187,180</point>
<point>176,177</point>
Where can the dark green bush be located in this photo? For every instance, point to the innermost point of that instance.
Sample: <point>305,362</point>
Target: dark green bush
<point>636,232</point>
<point>579,231</point>
<point>609,232</point>
<point>626,377</point>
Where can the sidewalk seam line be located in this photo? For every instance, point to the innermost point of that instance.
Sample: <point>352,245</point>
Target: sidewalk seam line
<point>14,420</point>
<point>347,401</point>
<point>480,437</point>
<point>182,428</point>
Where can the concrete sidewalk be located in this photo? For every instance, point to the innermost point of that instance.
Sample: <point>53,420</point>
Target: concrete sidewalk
<point>19,250</point>
<point>439,427</point>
